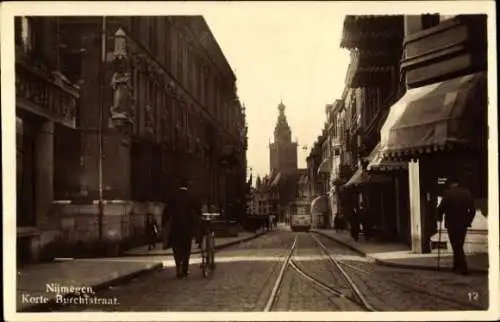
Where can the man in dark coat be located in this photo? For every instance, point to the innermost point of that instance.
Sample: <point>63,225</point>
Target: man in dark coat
<point>365,219</point>
<point>184,216</point>
<point>355,222</point>
<point>458,206</point>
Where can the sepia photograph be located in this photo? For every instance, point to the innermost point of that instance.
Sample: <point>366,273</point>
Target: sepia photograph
<point>324,160</point>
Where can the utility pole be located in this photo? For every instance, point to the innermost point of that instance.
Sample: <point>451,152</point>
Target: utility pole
<point>101,125</point>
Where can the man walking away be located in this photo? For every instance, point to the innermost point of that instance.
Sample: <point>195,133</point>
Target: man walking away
<point>184,218</point>
<point>366,222</point>
<point>458,206</point>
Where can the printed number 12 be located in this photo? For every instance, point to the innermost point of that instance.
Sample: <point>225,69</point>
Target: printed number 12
<point>473,296</point>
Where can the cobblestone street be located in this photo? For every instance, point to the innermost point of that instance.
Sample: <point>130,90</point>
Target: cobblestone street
<point>292,162</point>
<point>246,274</point>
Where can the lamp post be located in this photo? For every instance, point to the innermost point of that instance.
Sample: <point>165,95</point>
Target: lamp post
<point>100,127</point>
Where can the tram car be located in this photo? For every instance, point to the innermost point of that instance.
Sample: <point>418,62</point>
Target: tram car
<point>301,219</point>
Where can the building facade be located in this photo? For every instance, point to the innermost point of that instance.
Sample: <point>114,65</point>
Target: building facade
<point>47,104</point>
<point>409,89</point>
<point>375,44</point>
<point>440,125</point>
<point>157,103</point>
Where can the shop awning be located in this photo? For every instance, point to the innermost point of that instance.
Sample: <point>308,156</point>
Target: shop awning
<point>325,166</point>
<point>436,117</point>
<point>361,177</point>
<point>377,162</point>
<point>320,205</point>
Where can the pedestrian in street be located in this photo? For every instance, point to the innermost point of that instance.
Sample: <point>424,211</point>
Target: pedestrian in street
<point>365,221</point>
<point>185,216</point>
<point>152,231</point>
<point>457,205</point>
<point>336,223</point>
<point>342,222</point>
<point>339,222</point>
<point>355,223</point>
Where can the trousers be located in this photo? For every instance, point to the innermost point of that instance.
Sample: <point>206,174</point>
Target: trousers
<point>182,253</point>
<point>457,239</point>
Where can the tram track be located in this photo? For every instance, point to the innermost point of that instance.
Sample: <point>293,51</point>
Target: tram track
<point>291,263</point>
<point>433,296</point>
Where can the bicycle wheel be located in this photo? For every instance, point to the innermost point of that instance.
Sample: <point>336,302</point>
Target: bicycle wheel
<point>205,256</point>
<point>212,252</point>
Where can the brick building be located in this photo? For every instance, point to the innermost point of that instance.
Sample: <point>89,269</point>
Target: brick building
<point>162,94</point>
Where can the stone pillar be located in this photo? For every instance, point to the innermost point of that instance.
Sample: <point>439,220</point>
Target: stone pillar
<point>44,172</point>
<point>415,211</point>
<point>398,206</point>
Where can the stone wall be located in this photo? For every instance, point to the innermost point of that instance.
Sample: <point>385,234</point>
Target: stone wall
<point>78,236</point>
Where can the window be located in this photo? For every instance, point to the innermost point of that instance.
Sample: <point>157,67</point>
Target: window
<point>168,43</point>
<point>191,70</point>
<point>429,21</point>
<point>180,61</point>
<point>206,87</point>
<point>24,33</point>
<point>135,26</point>
<point>153,44</point>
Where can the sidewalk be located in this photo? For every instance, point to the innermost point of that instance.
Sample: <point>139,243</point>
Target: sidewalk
<point>34,280</point>
<point>220,242</point>
<point>400,255</point>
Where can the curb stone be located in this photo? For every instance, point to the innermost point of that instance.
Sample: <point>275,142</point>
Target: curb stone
<point>52,304</point>
<point>217,247</point>
<point>398,265</point>
<point>426,267</point>
<point>343,243</point>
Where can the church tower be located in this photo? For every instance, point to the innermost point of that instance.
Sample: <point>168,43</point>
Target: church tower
<point>283,152</point>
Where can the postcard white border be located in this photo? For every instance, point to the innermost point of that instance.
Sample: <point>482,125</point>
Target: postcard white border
<point>9,9</point>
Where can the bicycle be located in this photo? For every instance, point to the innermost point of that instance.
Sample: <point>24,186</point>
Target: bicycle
<point>207,245</point>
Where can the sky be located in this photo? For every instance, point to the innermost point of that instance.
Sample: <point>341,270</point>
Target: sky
<point>282,53</point>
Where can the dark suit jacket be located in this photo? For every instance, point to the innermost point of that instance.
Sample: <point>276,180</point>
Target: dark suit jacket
<point>458,205</point>
<point>183,212</point>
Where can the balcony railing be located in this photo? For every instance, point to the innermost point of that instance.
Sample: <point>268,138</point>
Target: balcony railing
<point>49,96</point>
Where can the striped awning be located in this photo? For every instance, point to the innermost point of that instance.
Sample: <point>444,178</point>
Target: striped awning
<point>377,162</point>
<point>320,205</point>
<point>436,117</point>
<point>325,166</point>
<point>361,177</point>
<point>363,69</point>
